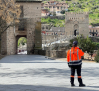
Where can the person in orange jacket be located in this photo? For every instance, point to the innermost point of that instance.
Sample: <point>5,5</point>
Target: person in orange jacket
<point>74,62</point>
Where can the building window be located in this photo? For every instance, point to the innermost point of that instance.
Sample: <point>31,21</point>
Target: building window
<point>42,27</point>
<point>46,27</point>
<point>53,6</point>
<point>49,6</point>
<point>57,7</point>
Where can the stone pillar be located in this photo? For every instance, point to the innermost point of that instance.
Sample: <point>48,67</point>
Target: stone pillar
<point>38,38</point>
<point>30,34</point>
<point>11,41</point>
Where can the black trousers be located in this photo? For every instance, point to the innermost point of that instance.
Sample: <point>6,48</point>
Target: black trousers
<point>76,68</point>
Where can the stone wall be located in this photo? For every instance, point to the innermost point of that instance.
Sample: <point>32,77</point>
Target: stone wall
<point>56,53</point>
<point>51,53</point>
<point>11,41</point>
<point>38,37</point>
<point>30,34</point>
<point>53,17</point>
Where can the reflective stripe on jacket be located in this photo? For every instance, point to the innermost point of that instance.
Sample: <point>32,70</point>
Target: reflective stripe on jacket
<point>74,56</point>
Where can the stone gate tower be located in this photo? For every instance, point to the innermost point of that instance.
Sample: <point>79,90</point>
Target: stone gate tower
<point>76,23</point>
<point>29,27</point>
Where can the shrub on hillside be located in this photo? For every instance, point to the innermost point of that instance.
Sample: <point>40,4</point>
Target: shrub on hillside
<point>97,56</point>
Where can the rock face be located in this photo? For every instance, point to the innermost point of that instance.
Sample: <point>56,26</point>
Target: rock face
<point>29,27</point>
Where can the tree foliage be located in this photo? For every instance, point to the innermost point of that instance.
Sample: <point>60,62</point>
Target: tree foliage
<point>9,10</point>
<point>22,41</point>
<point>55,22</point>
<point>85,44</point>
<point>9,13</point>
<point>97,56</point>
<point>63,11</point>
<point>91,6</point>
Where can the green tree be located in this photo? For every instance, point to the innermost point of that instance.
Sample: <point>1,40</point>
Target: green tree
<point>22,41</point>
<point>97,56</point>
<point>85,44</point>
<point>63,12</point>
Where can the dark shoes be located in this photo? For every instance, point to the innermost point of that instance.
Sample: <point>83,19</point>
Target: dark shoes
<point>82,85</point>
<point>72,85</point>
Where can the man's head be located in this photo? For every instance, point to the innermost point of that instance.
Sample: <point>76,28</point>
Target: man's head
<point>75,43</point>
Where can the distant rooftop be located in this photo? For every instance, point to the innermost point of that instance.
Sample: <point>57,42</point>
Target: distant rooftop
<point>28,0</point>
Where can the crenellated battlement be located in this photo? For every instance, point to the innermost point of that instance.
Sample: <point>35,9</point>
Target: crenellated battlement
<point>77,13</point>
<point>81,16</point>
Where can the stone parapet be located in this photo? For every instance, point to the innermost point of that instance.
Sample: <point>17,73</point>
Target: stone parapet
<point>56,53</point>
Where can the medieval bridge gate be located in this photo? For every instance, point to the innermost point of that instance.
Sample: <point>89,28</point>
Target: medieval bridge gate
<point>29,27</point>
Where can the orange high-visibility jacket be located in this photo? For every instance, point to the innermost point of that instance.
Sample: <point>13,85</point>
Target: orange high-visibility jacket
<point>74,56</point>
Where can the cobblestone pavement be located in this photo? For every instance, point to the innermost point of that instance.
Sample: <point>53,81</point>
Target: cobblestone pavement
<point>37,73</point>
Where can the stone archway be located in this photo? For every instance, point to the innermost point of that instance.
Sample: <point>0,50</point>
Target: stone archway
<point>76,29</point>
<point>17,38</point>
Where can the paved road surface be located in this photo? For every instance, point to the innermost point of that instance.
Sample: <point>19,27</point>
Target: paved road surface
<point>37,73</point>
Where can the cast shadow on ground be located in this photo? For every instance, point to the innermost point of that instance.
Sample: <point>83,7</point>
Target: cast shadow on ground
<point>19,87</point>
<point>28,59</point>
<point>38,72</point>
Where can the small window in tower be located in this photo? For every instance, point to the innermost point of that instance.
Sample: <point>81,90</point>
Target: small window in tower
<point>57,7</point>
<point>42,27</point>
<point>37,7</point>
<point>46,27</point>
<point>53,6</point>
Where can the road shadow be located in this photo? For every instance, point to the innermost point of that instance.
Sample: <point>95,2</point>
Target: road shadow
<point>37,72</point>
<point>20,87</point>
<point>28,59</point>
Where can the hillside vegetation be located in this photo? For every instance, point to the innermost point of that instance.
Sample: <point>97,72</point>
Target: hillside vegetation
<point>91,6</point>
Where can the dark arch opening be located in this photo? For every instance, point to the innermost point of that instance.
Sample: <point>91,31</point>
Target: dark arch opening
<point>75,32</point>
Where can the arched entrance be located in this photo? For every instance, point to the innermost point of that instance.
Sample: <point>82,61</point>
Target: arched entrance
<point>75,32</point>
<point>21,45</point>
<point>76,29</point>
